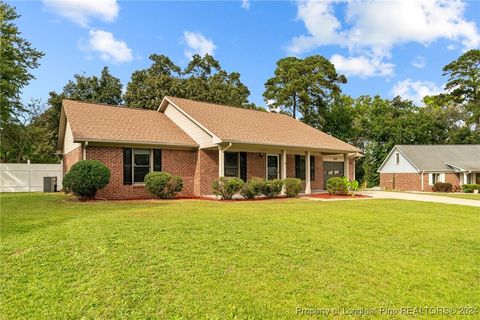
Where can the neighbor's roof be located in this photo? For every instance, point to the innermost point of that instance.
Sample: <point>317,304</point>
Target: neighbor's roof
<point>443,157</point>
<point>232,124</point>
<point>105,123</point>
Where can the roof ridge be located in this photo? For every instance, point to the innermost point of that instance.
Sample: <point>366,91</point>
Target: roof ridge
<point>229,106</point>
<point>109,105</point>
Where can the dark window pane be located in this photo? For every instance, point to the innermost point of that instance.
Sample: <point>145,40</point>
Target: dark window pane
<point>231,164</point>
<point>141,159</point>
<point>300,165</point>
<point>272,167</point>
<point>139,173</point>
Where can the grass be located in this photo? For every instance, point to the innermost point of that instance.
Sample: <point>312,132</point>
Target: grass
<point>245,260</point>
<point>469,196</point>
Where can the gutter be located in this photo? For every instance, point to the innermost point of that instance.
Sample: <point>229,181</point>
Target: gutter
<point>84,151</point>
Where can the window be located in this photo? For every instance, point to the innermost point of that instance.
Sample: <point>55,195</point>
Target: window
<point>434,177</point>
<point>141,164</point>
<point>300,166</point>
<point>397,158</point>
<point>231,164</point>
<point>137,163</point>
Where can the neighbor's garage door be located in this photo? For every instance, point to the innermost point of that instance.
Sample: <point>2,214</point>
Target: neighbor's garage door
<point>331,169</point>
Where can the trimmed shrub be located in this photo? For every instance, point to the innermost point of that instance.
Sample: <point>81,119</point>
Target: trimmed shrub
<point>271,188</point>
<point>85,178</point>
<point>293,186</point>
<point>468,188</point>
<point>226,187</point>
<point>337,185</point>
<point>442,187</point>
<point>163,185</point>
<point>252,188</point>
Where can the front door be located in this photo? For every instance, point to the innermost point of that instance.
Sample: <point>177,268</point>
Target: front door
<point>272,166</point>
<point>331,169</point>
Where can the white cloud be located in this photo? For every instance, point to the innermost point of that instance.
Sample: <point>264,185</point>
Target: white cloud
<point>107,47</point>
<point>415,90</point>
<point>373,28</point>
<point>419,62</point>
<point>246,4</point>
<point>81,11</point>
<point>197,44</point>
<point>362,66</point>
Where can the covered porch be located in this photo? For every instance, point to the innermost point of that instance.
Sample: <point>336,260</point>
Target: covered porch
<point>312,165</point>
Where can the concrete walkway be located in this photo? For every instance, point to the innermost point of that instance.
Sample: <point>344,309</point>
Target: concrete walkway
<point>420,197</point>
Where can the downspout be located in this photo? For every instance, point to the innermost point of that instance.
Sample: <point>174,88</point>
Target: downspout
<point>423,173</point>
<point>84,151</point>
<point>221,159</point>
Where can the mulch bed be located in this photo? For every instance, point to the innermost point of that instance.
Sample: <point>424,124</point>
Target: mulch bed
<point>335,196</point>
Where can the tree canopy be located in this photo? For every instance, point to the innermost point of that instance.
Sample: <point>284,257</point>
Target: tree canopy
<point>304,86</point>
<point>202,79</point>
<point>17,59</point>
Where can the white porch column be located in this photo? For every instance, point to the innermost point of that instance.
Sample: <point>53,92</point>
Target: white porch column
<point>308,187</point>
<point>283,168</point>
<point>221,162</point>
<point>346,167</point>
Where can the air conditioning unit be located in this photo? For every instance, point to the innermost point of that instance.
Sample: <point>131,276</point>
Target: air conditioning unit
<point>49,184</point>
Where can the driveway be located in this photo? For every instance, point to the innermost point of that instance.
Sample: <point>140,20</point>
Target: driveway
<point>420,197</point>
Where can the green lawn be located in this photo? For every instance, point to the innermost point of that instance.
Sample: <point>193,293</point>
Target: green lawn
<point>470,196</point>
<point>257,260</point>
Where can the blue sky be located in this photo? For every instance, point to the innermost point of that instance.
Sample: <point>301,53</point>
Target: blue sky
<point>384,47</point>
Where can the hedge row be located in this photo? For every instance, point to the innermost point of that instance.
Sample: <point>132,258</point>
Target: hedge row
<point>227,187</point>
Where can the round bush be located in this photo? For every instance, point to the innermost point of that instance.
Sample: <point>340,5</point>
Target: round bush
<point>293,186</point>
<point>163,185</point>
<point>442,187</point>
<point>252,188</point>
<point>226,187</point>
<point>85,178</point>
<point>337,185</point>
<point>271,188</point>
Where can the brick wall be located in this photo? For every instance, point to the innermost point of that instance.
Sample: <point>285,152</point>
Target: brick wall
<point>403,181</point>
<point>412,181</point>
<point>71,158</point>
<point>178,162</point>
<point>256,165</point>
<point>207,171</point>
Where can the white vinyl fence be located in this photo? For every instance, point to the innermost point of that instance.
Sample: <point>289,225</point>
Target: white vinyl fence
<point>25,177</point>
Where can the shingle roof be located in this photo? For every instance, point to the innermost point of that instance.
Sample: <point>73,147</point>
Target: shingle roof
<point>233,124</point>
<point>440,157</point>
<point>99,122</point>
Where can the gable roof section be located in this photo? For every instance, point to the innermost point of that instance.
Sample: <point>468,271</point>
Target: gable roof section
<point>232,124</point>
<point>442,157</point>
<point>103,123</point>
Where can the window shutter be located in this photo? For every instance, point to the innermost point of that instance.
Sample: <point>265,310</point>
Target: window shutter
<point>127,165</point>
<point>243,166</point>
<point>297,166</point>
<point>157,160</point>
<point>430,179</point>
<point>312,168</point>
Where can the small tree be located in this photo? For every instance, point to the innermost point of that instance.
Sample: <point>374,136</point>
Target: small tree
<point>163,185</point>
<point>226,187</point>
<point>85,178</point>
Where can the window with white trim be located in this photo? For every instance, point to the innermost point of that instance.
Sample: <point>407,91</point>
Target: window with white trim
<point>141,164</point>
<point>433,178</point>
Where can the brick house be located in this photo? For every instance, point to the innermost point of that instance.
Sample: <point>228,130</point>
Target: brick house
<point>199,142</point>
<point>418,167</point>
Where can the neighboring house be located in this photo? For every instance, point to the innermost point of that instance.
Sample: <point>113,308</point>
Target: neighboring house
<point>199,142</point>
<point>418,167</point>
